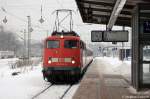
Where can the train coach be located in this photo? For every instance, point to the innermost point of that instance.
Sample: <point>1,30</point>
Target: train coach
<point>65,56</point>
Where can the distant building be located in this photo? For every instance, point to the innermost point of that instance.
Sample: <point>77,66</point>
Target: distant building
<point>6,54</point>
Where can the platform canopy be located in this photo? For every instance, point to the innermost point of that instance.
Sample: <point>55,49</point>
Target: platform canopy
<point>109,12</point>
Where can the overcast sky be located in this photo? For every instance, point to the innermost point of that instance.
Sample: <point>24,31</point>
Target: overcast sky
<point>18,10</point>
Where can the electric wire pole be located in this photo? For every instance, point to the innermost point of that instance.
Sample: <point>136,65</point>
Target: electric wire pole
<point>29,36</point>
<point>25,51</point>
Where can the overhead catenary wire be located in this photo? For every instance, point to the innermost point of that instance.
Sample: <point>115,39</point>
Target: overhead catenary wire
<point>11,14</point>
<point>22,19</point>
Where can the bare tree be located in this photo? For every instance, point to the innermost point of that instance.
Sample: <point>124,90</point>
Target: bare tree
<point>8,40</point>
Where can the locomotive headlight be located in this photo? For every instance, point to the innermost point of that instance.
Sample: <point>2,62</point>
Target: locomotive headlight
<point>61,36</point>
<point>73,62</point>
<point>49,61</point>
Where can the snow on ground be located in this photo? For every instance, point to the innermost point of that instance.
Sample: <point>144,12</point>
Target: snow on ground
<point>113,65</point>
<point>26,84</point>
<point>21,86</point>
<point>5,66</point>
<point>30,81</point>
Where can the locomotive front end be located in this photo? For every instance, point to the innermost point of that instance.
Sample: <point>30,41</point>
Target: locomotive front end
<point>61,57</point>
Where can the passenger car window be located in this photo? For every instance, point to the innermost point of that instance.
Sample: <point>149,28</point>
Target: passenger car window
<point>52,44</point>
<point>71,44</point>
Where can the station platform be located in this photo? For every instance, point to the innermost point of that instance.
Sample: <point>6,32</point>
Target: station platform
<point>97,84</point>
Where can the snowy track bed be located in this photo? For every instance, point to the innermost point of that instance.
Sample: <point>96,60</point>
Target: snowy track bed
<point>56,92</point>
<point>41,92</point>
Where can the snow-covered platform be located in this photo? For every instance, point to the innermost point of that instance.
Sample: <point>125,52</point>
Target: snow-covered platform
<point>105,81</point>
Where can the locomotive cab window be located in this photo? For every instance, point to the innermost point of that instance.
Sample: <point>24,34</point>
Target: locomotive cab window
<point>52,44</point>
<point>71,44</point>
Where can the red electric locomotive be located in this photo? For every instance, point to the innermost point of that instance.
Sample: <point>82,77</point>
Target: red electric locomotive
<point>65,56</point>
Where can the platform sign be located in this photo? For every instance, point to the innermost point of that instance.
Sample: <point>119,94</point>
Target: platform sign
<point>146,27</point>
<point>96,36</point>
<point>115,36</point>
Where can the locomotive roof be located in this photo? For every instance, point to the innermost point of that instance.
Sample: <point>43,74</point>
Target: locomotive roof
<point>64,37</point>
<point>71,33</point>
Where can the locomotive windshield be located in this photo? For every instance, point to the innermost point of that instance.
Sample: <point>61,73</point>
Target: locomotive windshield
<point>52,44</point>
<point>71,44</point>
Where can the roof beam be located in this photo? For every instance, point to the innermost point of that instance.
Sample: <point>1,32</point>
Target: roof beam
<point>115,13</point>
<point>106,16</point>
<point>102,3</point>
<point>108,10</point>
<point>118,22</point>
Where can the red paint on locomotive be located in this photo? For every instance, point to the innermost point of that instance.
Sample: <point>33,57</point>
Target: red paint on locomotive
<point>64,54</point>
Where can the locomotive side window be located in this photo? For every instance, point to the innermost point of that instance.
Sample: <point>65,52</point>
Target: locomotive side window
<point>82,45</point>
<point>52,44</point>
<point>71,44</point>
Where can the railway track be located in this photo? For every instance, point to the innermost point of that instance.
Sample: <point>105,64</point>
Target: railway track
<point>39,93</point>
<point>46,91</point>
<point>65,92</point>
